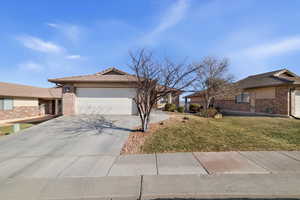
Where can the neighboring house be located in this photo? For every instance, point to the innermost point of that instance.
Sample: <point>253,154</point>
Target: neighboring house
<point>276,92</point>
<point>18,102</point>
<point>107,92</point>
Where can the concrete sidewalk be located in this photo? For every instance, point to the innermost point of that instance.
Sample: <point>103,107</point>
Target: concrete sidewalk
<point>263,162</point>
<point>226,186</point>
<point>148,176</point>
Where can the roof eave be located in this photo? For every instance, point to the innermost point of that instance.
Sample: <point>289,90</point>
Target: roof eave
<point>89,81</point>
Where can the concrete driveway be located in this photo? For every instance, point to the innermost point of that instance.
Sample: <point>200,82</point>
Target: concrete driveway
<point>67,146</point>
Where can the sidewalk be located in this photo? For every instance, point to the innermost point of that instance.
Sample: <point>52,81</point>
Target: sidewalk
<point>153,187</point>
<point>152,176</point>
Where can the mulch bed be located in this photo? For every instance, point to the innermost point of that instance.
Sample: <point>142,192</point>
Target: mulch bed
<point>136,139</point>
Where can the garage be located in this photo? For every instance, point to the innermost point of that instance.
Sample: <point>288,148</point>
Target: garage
<point>297,103</point>
<point>106,101</point>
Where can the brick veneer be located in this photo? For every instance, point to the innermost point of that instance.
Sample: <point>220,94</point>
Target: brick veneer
<point>265,106</point>
<point>277,105</point>
<point>232,105</point>
<point>282,102</point>
<point>68,103</point>
<point>19,112</point>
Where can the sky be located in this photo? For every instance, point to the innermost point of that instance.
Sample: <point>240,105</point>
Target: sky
<point>54,38</point>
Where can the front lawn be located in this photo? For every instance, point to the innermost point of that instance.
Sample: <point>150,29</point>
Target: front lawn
<point>226,134</point>
<point>4,130</point>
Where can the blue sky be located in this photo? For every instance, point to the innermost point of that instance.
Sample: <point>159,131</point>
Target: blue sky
<point>54,38</point>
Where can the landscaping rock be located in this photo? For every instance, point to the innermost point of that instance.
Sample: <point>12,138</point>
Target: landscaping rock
<point>218,116</point>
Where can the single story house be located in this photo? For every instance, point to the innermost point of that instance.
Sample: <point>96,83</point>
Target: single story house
<point>107,92</point>
<point>19,102</point>
<point>276,92</point>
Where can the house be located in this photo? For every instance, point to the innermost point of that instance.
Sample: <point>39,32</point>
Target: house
<point>107,92</point>
<point>19,102</point>
<point>275,93</point>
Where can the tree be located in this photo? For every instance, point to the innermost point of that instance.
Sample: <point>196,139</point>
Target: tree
<point>155,80</point>
<point>213,79</point>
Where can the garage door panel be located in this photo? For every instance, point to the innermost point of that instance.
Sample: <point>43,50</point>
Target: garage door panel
<point>106,92</point>
<point>105,101</point>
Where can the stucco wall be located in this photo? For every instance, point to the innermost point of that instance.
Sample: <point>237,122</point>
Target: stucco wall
<point>25,102</point>
<point>264,93</point>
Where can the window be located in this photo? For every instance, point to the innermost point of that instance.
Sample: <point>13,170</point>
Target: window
<point>66,89</point>
<point>242,98</point>
<point>6,104</point>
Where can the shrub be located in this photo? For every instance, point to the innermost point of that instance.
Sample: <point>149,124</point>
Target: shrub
<point>210,112</point>
<point>194,108</point>
<point>269,110</point>
<point>170,107</point>
<point>180,109</point>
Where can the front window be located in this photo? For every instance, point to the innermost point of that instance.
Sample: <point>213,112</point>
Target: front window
<point>242,98</point>
<point>6,104</point>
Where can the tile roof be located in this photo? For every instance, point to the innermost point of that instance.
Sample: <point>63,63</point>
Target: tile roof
<point>109,75</point>
<point>18,90</point>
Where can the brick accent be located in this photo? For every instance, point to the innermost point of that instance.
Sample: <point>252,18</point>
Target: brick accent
<point>232,105</point>
<point>68,102</point>
<point>265,106</point>
<point>281,100</point>
<point>20,112</point>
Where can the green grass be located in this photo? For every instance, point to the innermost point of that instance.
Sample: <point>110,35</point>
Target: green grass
<point>9,129</point>
<point>226,134</point>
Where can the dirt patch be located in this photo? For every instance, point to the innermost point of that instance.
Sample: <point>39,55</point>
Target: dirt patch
<point>136,139</point>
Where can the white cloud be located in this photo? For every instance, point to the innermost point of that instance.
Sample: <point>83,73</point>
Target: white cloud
<point>38,44</point>
<point>30,66</point>
<point>173,16</point>
<point>53,25</point>
<point>275,48</point>
<point>70,31</point>
<point>73,57</point>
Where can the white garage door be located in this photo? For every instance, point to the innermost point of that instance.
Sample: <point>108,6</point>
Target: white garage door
<point>297,103</point>
<point>108,101</point>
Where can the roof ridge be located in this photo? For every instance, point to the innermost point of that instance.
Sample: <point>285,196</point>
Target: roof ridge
<point>265,73</point>
<point>111,69</point>
<point>23,85</point>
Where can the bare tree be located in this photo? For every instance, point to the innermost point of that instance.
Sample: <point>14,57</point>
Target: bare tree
<point>213,79</point>
<point>155,80</point>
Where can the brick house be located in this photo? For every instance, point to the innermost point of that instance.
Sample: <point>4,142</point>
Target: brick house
<point>275,93</point>
<point>107,92</point>
<point>110,91</point>
<point>19,102</point>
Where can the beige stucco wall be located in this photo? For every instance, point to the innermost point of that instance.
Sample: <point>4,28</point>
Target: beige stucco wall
<point>104,85</point>
<point>263,93</point>
<point>25,102</point>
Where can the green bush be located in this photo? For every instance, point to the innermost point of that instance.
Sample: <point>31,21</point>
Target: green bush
<point>194,108</point>
<point>210,112</point>
<point>180,109</point>
<point>170,107</point>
